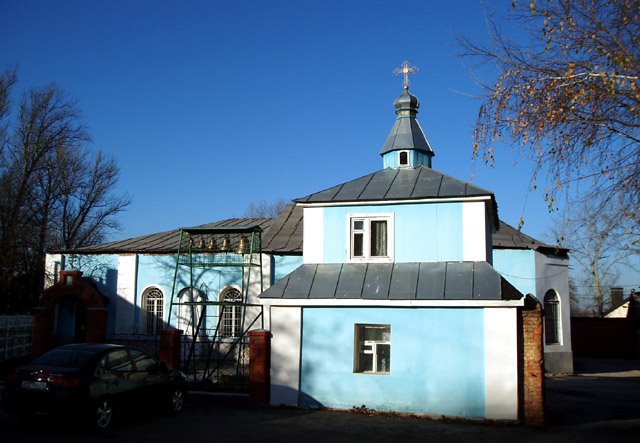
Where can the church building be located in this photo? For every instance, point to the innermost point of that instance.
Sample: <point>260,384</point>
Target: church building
<point>400,290</point>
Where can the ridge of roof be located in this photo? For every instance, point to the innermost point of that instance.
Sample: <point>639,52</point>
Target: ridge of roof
<point>165,242</point>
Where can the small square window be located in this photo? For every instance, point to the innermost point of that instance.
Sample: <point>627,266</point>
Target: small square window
<point>372,349</point>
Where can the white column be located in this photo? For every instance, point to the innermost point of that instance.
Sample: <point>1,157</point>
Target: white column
<point>474,232</point>
<point>313,235</point>
<point>127,286</point>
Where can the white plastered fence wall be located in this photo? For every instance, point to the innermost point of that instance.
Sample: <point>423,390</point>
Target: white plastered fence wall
<point>501,363</point>
<point>286,327</point>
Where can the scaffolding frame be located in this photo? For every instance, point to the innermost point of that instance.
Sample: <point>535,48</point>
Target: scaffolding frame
<point>231,248</point>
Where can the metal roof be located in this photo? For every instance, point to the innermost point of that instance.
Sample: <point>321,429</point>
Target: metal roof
<point>415,183</point>
<point>164,242</point>
<point>394,281</point>
<point>406,132</point>
<point>508,237</point>
<point>285,233</point>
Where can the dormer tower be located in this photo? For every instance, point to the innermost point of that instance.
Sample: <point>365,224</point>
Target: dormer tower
<point>406,145</point>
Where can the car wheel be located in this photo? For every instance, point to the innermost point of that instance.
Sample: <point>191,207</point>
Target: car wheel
<point>103,413</point>
<point>176,400</point>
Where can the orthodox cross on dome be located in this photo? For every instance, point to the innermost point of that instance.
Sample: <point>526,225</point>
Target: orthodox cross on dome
<point>405,70</point>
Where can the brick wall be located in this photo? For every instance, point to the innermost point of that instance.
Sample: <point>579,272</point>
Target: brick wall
<point>532,366</point>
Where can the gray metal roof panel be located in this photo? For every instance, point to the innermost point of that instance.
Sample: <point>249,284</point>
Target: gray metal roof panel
<point>351,281</point>
<point>379,185</point>
<point>431,281</point>
<point>485,280</point>
<point>300,282</point>
<point>459,280</point>
<point>325,281</point>
<point>377,282</point>
<point>353,189</point>
<point>404,183</point>
<point>399,281</point>
<point>404,283</point>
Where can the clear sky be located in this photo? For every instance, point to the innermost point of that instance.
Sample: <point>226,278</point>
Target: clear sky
<point>210,106</point>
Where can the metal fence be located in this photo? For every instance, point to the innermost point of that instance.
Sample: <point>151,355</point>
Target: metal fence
<point>149,343</point>
<point>15,336</point>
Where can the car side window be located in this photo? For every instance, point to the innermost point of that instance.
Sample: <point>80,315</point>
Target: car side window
<point>141,360</point>
<point>119,361</point>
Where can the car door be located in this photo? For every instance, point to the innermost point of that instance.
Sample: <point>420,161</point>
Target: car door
<point>114,372</point>
<point>150,376</point>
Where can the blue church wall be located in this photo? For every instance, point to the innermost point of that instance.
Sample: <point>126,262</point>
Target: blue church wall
<point>390,159</point>
<point>437,361</point>
<point>103,270</point>
<point>426,232</point>
<point>159,270</point>
<point>518,267</point>
<point>283,265</point>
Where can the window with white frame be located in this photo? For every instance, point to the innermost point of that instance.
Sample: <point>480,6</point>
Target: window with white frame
<point>152,310</point>
<point>231,312</point>
<point>371,238</point>
<point>551,318</point>
<point>403,158</point>
<point>372,349</point>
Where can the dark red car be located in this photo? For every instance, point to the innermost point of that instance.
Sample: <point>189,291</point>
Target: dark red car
<point>93,381</point>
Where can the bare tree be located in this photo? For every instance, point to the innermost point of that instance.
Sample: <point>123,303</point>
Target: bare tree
<point>600,249</point>
<point>569,96</point>
<point>54,193</point>
<point>263,209</point>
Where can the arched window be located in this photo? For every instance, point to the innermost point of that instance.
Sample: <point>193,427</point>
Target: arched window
<point>403,158</point>
<point>231,322</point>
<point>551,318</point>
<point>152,310</point>
<point>188,316</point>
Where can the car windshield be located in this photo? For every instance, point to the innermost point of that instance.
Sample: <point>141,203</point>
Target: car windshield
<point>66,358</point>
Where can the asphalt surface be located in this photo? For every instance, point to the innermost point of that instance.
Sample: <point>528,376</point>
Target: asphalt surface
<point>601,403</point>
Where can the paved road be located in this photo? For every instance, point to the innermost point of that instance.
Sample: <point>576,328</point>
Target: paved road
<point>603,404</point>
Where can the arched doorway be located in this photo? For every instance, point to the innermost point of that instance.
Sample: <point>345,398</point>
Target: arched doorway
<point>71,311</point>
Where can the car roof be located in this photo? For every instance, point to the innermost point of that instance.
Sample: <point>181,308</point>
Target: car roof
<point>90,347</point>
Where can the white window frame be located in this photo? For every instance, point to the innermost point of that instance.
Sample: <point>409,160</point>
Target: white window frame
<point>408,163</point>
<point>152,310</point>
<point>367,219</point>
<point>553,315</point>
<point>232,312</point>
<point>369,347</point>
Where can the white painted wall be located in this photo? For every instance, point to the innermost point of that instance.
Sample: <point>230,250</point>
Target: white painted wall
<point>52,268</point>
<point>313,236</point>
<point>127,284</point>
<point>501,363</point>
<point>286,327</point>
<point>474,231</point>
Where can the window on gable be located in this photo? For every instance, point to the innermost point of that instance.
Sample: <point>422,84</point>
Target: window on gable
<point>551,318</point>
<point>403,158</point>
<point>370,238</point>
<point>372,349</point>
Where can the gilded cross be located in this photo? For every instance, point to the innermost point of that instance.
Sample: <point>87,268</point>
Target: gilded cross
<point>405,70</point>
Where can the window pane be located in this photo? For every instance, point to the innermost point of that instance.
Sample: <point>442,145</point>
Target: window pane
<point>358,245</point>
<point>366,362</point>
<point>358,225</point>
<point>378,238</point>
<point>383,361</point>
<point>372,333</point>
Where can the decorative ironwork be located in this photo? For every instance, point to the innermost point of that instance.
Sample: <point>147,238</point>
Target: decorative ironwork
<point>405,70</point>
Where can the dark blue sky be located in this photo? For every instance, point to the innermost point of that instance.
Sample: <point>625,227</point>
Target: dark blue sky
<point>210,106</point>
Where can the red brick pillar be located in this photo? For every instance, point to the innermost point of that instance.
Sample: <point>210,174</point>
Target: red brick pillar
<point>533,400</point>
<point>259,366</point>
<point>42,331</point>
<point>170,347</point>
